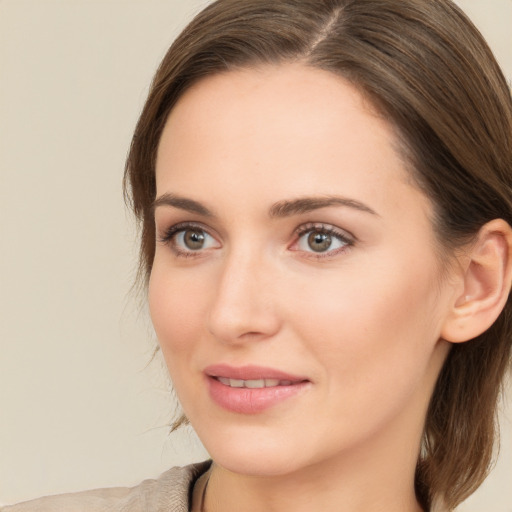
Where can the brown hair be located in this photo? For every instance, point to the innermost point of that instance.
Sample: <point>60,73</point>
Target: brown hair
<point>428,71</point>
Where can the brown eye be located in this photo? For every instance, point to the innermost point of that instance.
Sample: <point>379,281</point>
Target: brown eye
<point>319,242</point>
<point>194,239</point>
<point>322,240</point>
<point>189,239</point>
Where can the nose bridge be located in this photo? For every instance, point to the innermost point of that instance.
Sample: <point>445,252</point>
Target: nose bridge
<point>243,302</point>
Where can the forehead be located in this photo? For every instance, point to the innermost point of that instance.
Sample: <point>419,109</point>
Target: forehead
<point>284,102</point>
<point>299,129</point>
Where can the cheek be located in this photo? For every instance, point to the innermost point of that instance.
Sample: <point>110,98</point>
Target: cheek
<point>371,328</point>
<point>176,307</point>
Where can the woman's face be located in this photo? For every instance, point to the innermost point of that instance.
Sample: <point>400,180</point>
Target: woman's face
<point>295,290</point>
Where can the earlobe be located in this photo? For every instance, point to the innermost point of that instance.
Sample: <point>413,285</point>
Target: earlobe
<point>486,282</point>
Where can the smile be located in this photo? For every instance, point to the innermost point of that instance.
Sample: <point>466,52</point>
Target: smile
<point>252,389</point>
<point>254,383</point>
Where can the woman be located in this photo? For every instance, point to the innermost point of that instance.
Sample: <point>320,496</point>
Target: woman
<point>324,192</point>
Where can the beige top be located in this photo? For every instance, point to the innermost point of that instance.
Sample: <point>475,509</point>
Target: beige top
<point>170,492</point>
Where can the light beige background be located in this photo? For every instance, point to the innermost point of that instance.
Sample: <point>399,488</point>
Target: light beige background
<point>79,405</point>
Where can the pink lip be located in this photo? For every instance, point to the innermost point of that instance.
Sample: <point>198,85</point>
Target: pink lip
<point>250,372</point>
<point>251,400</point>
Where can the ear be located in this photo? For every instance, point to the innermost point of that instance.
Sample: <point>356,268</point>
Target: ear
<point>486,276</point>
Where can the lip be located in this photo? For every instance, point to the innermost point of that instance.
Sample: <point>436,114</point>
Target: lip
<point>250,372</point>
<point>244,400</point>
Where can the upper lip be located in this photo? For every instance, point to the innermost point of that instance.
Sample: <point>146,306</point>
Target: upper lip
<point>250,372</point>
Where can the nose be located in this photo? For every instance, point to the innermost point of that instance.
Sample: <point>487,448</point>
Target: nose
<point>244,302</point>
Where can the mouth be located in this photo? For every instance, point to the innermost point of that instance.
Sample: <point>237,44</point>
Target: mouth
<point>251,376</point>
<point>252,389</point>
<point>254,383</point>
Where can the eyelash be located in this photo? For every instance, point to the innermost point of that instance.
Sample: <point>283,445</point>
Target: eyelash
<point>168,238</point>
<point>346,238</point>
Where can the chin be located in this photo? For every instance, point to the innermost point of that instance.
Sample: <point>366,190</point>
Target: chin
<point>252,450</point>
<point>258,462</point>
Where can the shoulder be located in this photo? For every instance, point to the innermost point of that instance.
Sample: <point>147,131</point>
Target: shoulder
<point>168,493</point>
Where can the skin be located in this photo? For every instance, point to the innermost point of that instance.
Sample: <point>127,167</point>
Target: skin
<point>361,320</point>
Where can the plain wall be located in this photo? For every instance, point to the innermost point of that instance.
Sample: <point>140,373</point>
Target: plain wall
<point>80,404</point>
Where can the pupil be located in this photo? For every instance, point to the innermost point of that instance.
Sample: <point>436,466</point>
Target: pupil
<point>194,239</point>
<point>319,242</point>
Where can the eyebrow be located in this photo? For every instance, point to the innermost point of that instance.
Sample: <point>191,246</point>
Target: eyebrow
<point>307,204</point>
<point>182,203</point>
<point>285,208</point>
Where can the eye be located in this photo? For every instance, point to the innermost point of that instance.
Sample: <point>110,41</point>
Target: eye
<point>187,239</point>
<point>321,239</point>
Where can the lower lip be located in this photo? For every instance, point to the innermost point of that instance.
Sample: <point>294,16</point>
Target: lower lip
<point>251,400</point>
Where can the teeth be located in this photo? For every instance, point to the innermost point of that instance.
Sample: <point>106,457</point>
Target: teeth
<point>253,384</point>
